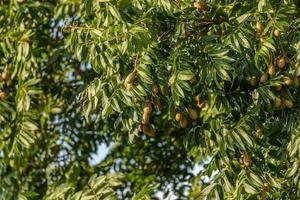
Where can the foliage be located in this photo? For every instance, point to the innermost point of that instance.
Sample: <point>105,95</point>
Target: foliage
<point>166,84</point>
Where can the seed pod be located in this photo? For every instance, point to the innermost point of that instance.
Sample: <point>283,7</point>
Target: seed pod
<point>271,70</point>
<point>281,62</point>
<point>247,159</point>
<point>178,116</point>
<point>165,91</point>
<point>253,80</point>
<point>183,122</point>
<point>146,118</point>
<point>287,81</point>
<point>258,133</point>
<point>287,103</point>
<point>2,95</point>
<point>192,113</point>
<point>259,27</point>
<point>200,6</point>
<point>278,87</point>
<point>263,78</point>
<point>147,108</point>
<point>277,33</point>
<point>277,102</point>
<point>154,89</point>
<point>130,78</point>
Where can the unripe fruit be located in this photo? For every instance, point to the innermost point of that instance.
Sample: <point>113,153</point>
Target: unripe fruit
<point>277,102</point>
<point>165,91</point>
<point>154,89</point>
<point>192,113</point>
<point>247,159</point>
<point>263,78</point>
<point>258,133</point>
<point>2,95</point>
<point>277,33</point>
<point>183,122</point>
<point>200,6</point>
<point>281,62</point>
<point>178,116</point>
<point>271,70</point>
<point>253,80</point>
<point>287,103</point>
<point>259,27</point>
<point>287,81</point>
<point>130,78</point>
<point>278,87</point>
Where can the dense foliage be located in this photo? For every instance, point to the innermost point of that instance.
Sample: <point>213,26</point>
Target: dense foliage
<point>164,84</point>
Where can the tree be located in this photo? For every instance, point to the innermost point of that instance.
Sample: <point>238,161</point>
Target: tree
<point>166,84</point>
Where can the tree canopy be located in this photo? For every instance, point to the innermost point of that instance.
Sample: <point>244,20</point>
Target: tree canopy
<point>164,84</point>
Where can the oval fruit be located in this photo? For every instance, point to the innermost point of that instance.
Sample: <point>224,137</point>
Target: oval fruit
<point>287,103</point>
<point>259,27</point>
<point>200,6</point>
<point>296,81</point>
<point>5,75</point>
<point>292,64</point>
<point>253,80</point>
<point>287,81</point>
<point>157,105</point>
<point>247,159</point>
<point>277,33</point>
<point>183,122</point>
<point>146,118</point>
<point>281,62</point>
<point>263,78</point>
<point>258,133</point>
<point>178,116</point>
<point>154,89</point>
<point>278,87</point>
<point>192,113</point>
<point>277,102</point>
<point>271,70</point>
<point>2,95</point>
<point>165,91</point>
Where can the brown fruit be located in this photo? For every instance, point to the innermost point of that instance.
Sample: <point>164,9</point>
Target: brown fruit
<point>253,80</point>
<point>147,129</point>
<point>287,103</point>
<point>178,116</point>
<point>277,33</point>
<point>154,89</point>
<point>259,27</point>
<point>9,82</point>
<point>157,105</point>
<point>278,87</point>
<point>192,113</point>
<point>2,95</point>
<point>281,62</point>
<point>277,102</point>
<point>165,91</point>
<point>183,122</point>
<point>296,81</point>
<point>263,78</point>
<point>271,70</point>
<point>200,6</point>
<point>146,118</point>
<point>258,133</point>
<point>130,78</point>
<point>292,64</point>
<point>247,159</point>
<point>287,81</point>
<point>147,108</point>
